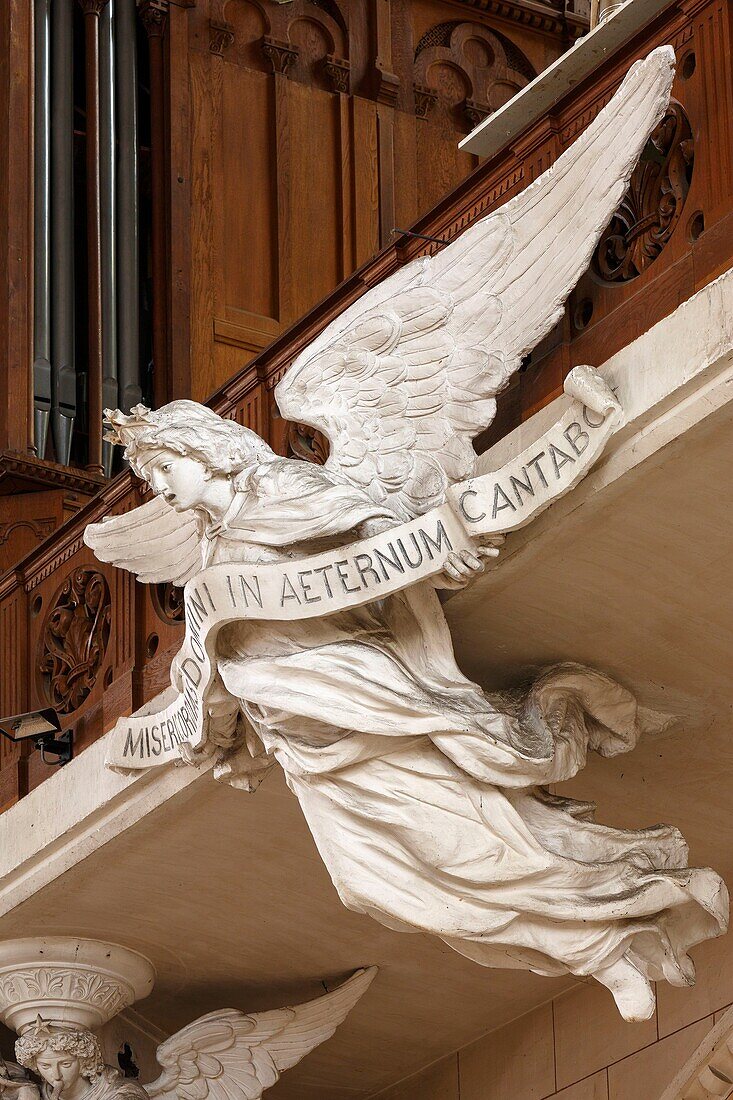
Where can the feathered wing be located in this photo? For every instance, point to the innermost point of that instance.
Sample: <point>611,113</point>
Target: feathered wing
<point>404,379</point>
<point>153,541</point>
<point>231,1055</point>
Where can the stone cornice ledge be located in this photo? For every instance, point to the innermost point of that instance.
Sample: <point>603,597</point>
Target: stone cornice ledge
<point>672,378</point>
<point>575,65</point>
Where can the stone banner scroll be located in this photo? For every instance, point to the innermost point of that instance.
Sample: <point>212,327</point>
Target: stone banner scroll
<point>368,569</point>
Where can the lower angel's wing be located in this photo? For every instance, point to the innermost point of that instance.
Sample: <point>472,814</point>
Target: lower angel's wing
<point>403,381</point>
<point>153,541</point>
<point>230,1055</point>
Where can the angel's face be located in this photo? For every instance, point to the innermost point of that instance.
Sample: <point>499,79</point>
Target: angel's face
<point>62,1071</point>
<point>184,482</point>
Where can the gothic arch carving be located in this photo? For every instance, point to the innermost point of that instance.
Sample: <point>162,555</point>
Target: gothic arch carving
<point>456,55</point>
<point>237,29</point>
<point>314,43</point>
<point>331,8</point>
<point>306,40</point>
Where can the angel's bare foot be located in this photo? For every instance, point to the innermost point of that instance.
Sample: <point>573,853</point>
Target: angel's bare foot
<point>632,992</point>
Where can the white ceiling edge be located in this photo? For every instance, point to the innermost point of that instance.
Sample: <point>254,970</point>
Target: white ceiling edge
<point>537,97</point>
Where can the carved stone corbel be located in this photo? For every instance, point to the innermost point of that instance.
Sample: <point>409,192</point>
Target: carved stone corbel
<point>337,70</point>
<point>154,16</point>
<point>425,99</point>
<point>475,112</point>
<point>281,55</point>
<point>389,88</point>
<point>92,7</point>
<point>221,36</point>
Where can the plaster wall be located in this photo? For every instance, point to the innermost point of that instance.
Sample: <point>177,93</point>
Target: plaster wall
<point>577,1047</point>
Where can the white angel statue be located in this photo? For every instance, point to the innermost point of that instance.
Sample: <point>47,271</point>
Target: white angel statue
<point>225,1055</point>
<point>427,797</point>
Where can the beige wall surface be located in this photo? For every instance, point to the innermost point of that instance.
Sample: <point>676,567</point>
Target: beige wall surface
<point>577,1047</point>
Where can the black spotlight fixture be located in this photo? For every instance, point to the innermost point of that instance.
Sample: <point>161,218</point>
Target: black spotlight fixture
<point>44,729</point>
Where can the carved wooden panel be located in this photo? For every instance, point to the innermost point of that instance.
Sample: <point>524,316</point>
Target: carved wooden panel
<point>653,204</point>
<point>74,640</point>
<point>13,687</point>
<point>307,150</point>
<point>470,69</point>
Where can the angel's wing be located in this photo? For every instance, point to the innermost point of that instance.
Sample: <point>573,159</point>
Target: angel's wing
<point>404,379</point>
<point>229,1055</point>
<point>154,541</point>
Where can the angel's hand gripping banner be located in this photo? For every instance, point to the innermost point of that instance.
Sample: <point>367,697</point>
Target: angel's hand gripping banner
<point>369,569</point>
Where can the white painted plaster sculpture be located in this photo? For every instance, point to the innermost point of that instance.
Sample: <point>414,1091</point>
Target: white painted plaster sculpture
<point>427,798</point>
<point>50,998</point>
<point>15,1083</point>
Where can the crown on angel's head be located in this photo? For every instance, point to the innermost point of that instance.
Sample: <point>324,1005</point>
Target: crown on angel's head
<point>125,427</point>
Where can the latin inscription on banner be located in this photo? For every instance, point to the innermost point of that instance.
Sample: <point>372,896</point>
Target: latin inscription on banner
<point>353,575</point>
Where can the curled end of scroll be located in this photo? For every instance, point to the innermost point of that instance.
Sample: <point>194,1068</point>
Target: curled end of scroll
<point>586,385</point>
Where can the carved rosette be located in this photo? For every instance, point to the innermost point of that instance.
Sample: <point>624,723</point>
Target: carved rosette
<point>281,55</point>
<point>168,603</point>
<point>65,980</point>
<point>653,204</point>
<point>74,639</point>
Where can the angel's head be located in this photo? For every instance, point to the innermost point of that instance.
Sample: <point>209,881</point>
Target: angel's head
<point>187,453</point>
<point>63,1057</point>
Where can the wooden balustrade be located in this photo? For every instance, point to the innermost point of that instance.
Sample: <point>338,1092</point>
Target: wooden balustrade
<point>673,235</point>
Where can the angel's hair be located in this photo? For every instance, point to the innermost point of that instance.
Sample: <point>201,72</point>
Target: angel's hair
<point>82,1044</point>
<point>186,428</point>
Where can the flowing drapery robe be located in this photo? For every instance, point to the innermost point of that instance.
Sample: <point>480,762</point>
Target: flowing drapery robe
<point>426,796</point>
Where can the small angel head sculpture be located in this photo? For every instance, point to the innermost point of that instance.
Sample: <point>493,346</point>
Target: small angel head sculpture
<point>181,448</point>
<point>61,1056</point>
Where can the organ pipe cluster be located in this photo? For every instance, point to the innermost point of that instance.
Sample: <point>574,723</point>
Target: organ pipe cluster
<point>112,224</point>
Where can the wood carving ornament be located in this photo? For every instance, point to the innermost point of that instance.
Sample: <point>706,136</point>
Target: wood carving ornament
<point>427,797</point>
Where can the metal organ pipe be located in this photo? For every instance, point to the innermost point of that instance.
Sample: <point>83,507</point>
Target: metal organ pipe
<point>154,17</point>
<point>108,242</point>
<point>42,227</point>
<point>92,10</point>
<point>112,221</point>
<point>63,368</point>
<point>128,305</point>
